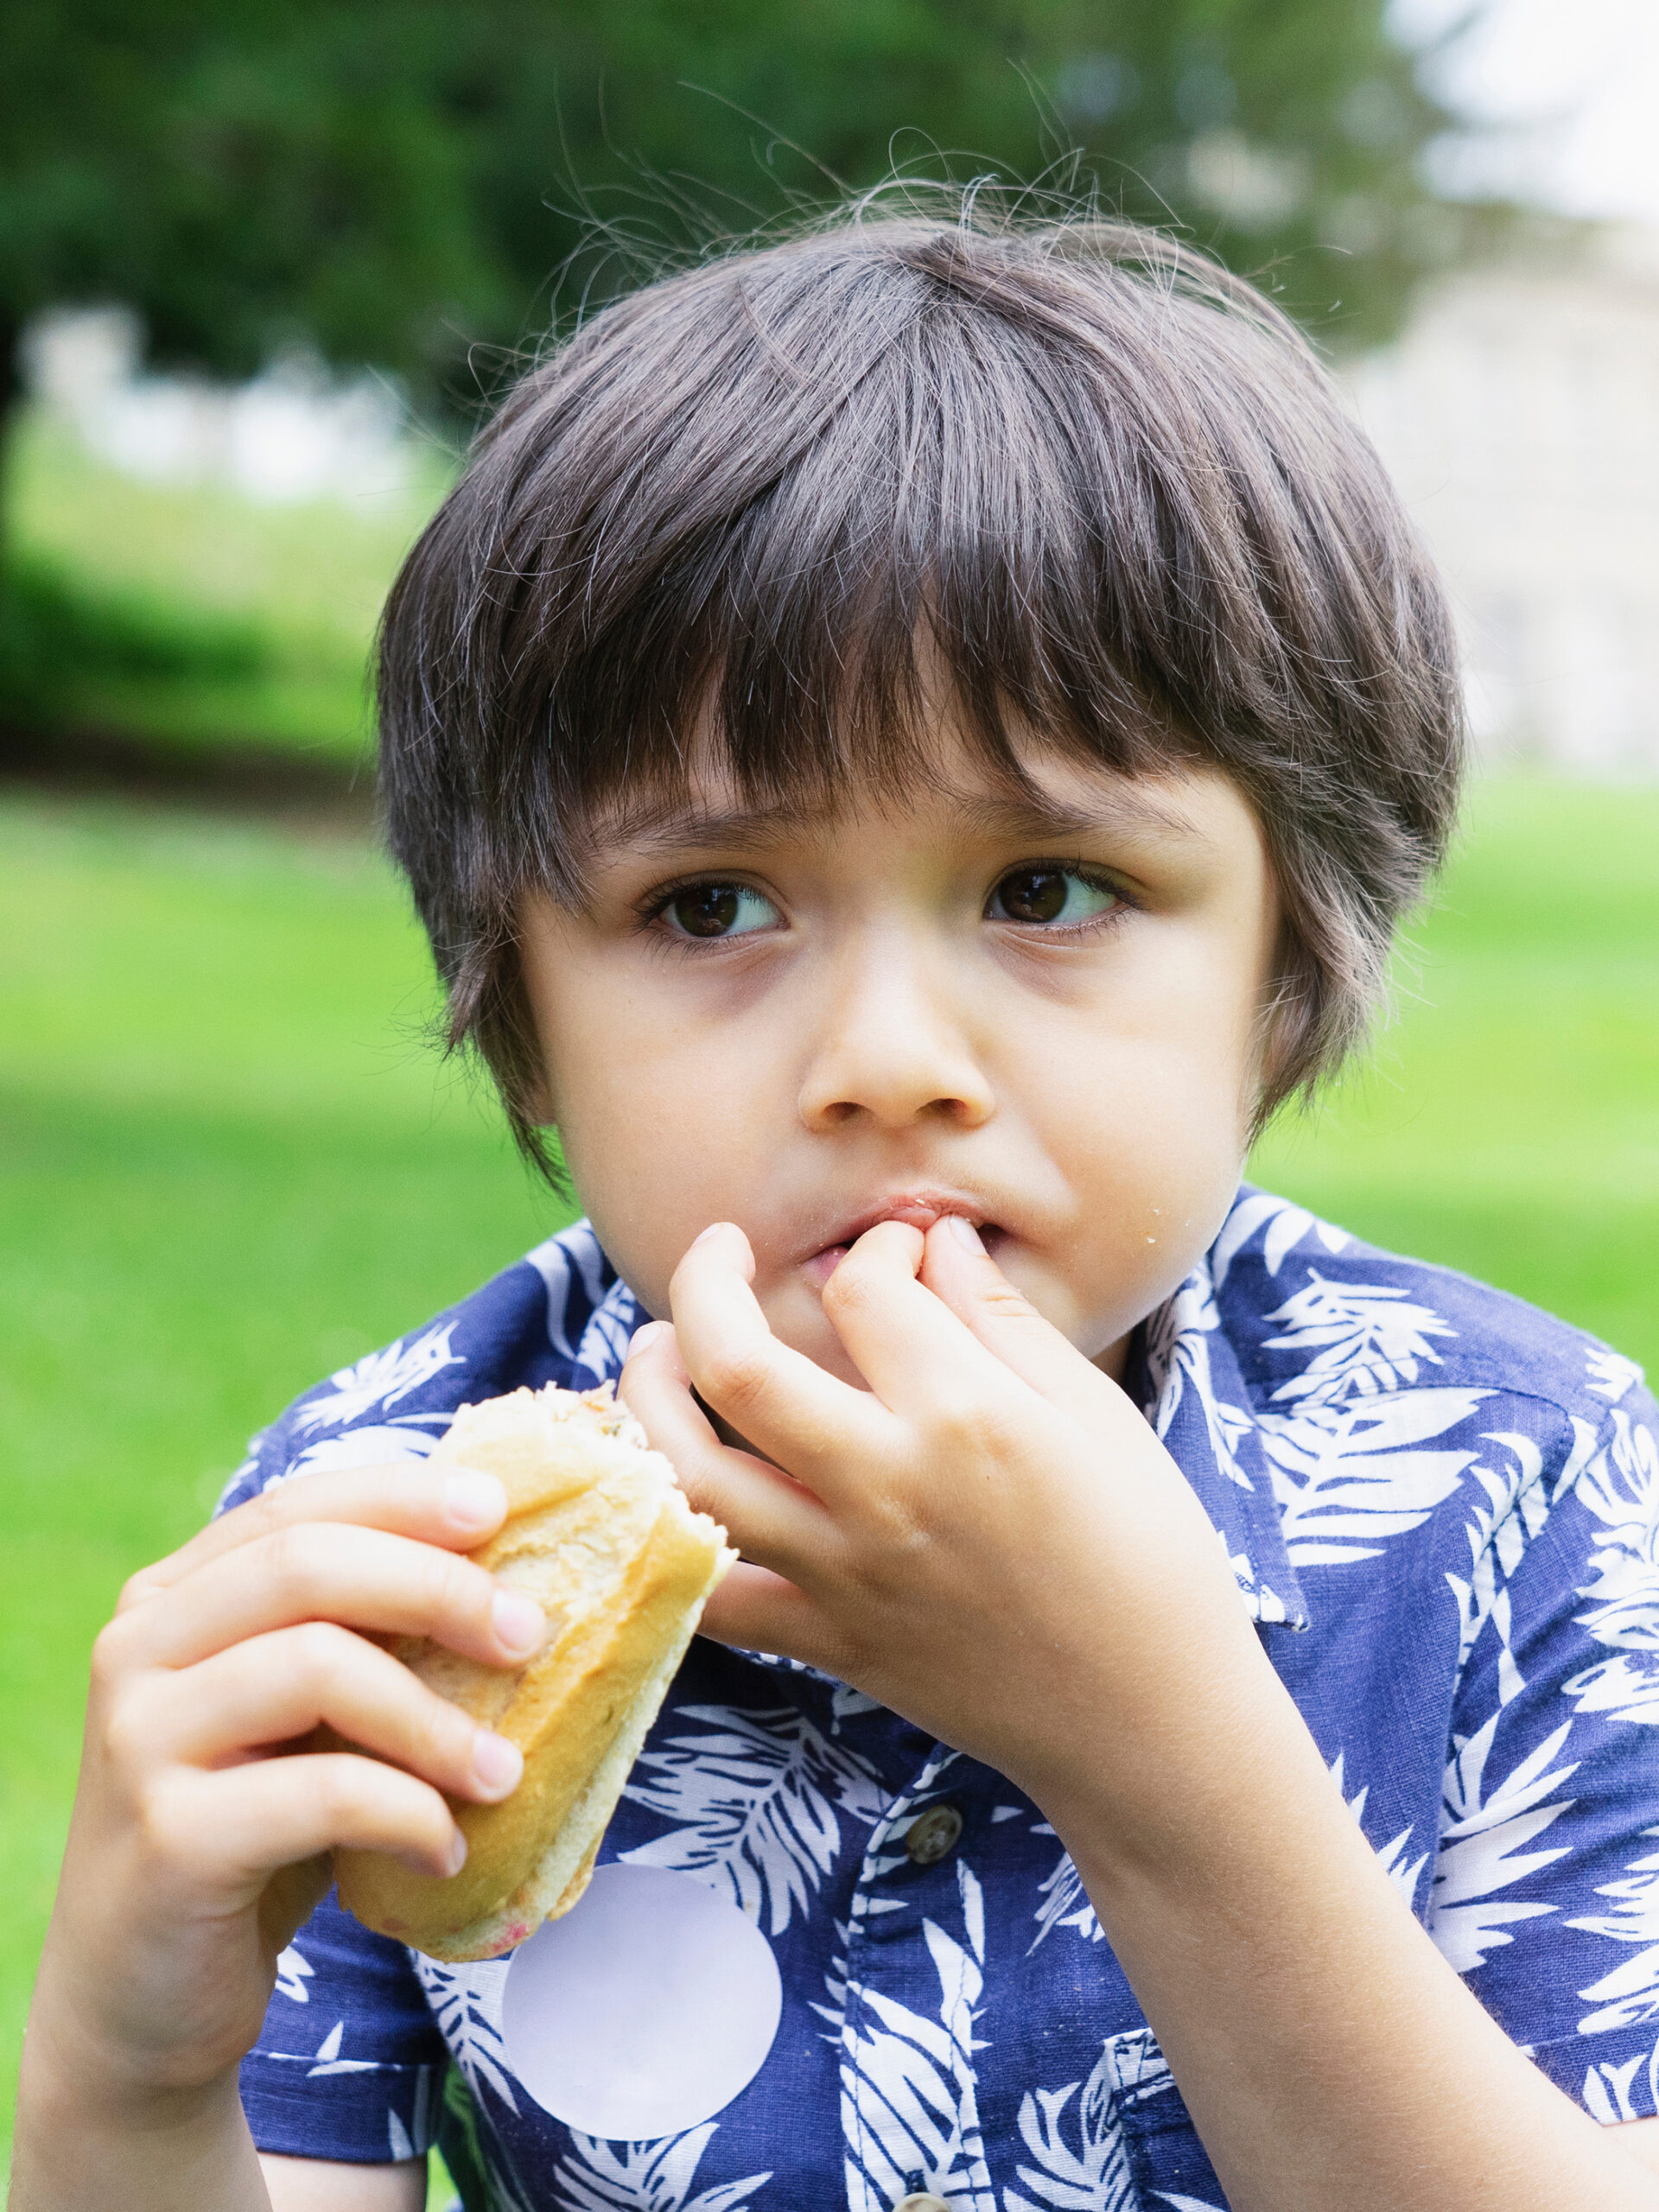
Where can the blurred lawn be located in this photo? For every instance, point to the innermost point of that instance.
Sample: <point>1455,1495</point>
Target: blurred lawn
<point>227,1166</point>
<point>199,618</point>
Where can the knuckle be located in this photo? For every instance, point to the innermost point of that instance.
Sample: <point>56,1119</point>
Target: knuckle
<point>849,1288</point>
<point>295,1560</point>
<point>345,1791</point>
<point>441,1736</point>
<point>163,1834</point>
<point>109,1657</point>
<point>734,1378</point>
<point>136,1589</point>
<point>125,1735</point>
<point>967,1427</point>
<point>316,1653</point>
<point>957,1427</point>
<point>1001,1299</point>
<point>454,1589</point>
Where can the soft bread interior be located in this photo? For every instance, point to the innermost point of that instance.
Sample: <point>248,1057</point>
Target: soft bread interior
<point>599,1534</point>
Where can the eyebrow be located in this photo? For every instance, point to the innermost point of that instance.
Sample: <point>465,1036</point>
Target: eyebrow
<point>667,825</point>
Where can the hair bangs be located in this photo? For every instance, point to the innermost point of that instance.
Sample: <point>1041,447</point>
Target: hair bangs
<point>897,536</point>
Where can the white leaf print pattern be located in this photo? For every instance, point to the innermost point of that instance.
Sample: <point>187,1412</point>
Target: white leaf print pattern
<point>572,1260</point>
<point>757,1796</point>
<point>1178,1359</point>
<point>595,2176</point>
<point>466,2001</point>
<point>1287,1224</point>
<point>910,2099</point>
<point>294,1970</point>
<point>1607,2089</point>
<point>1063,1903</point>
<point>1621,1488</point>
<point>1391,1855</point>
<point>1368,1339</point>
<point>381,1378</point>
<point>1610,1375</point>
<point>1629,1995</point>
<point>1342,1471</point>
<point>1079,2162</point>
<point>367,1447</point>
<point>1482,1845</point>
<point>1515,1509</point>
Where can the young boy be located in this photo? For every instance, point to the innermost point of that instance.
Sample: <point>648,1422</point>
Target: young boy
<point>907,744</point>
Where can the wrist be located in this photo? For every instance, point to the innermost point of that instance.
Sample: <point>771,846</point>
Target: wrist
<point>88,2140</point>
<point>72,2066</point>
<point>1159,1784</point>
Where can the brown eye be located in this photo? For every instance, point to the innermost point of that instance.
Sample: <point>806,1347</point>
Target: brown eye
<point>718,909</point>
<point>1049,894</point>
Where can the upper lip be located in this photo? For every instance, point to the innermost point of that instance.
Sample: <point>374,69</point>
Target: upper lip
<point>920,1204</point>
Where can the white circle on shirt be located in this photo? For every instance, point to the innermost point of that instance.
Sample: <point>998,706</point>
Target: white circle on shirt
<point>645,2010</point>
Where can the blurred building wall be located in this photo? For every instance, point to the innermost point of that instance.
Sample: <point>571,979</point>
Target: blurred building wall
<point>1520,415</point>
<point>293,433</point>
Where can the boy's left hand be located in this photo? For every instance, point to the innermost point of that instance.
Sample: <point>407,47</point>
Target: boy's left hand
<point>991,1540</point>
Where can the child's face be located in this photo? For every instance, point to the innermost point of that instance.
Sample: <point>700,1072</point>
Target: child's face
<point>1046,1019</point>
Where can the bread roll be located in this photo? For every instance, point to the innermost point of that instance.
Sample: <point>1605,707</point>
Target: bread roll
<point>599,1534</point>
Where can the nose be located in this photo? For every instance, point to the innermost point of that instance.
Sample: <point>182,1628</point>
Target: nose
<point>893,1049</point>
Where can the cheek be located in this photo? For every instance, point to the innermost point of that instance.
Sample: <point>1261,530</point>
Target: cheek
<point>659,1142</point>
<point>1148,1123</point>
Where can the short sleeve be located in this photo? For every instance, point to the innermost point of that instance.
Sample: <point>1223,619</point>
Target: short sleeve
<point>1546,1892</point>
<point>350,2063</point>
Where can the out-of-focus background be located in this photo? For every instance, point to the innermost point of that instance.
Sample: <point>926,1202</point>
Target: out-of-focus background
<point>261,269</point>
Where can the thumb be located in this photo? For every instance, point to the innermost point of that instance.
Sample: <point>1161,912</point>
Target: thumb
<point>956,1267</point>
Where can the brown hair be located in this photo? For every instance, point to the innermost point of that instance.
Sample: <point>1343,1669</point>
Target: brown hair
<point>1104,486</point>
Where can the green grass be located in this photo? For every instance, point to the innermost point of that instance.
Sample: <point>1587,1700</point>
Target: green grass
<point>1509,1123</point>
<point>186,615</point>
<point>227,1165</point>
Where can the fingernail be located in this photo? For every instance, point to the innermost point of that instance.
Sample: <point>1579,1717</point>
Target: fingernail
<point>455,1859</point>
<point>959,1226</point>
<point>520,1623</point>
<point>497,1762</point>
<point>713,1230</point>
<point>473,1500</point>
<point>647,1335</point>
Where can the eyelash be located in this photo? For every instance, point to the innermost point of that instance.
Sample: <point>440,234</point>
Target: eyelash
<point>657,903</point>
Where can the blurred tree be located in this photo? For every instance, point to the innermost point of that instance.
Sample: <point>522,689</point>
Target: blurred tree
<point>393,180</point>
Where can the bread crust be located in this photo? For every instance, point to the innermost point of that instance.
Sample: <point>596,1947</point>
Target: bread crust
<point>599,1532</point>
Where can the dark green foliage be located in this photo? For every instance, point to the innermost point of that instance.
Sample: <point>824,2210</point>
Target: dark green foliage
<point>56,631</point>
<point>395,181</point>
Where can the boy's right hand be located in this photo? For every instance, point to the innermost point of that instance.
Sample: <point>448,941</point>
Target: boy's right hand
<point>205,1816</point>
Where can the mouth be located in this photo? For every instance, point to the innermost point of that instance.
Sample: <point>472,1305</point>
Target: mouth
<point>918,1211</point>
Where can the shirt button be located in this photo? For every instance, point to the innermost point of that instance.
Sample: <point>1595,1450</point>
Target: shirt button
<point>930,1837</point>
<point>925,2202</point>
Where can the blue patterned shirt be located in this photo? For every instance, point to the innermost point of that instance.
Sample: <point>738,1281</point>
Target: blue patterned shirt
<point>1442,1508</point>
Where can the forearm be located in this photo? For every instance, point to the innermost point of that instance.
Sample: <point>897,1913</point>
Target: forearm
<point>1328,2055</point>
<point>86,2142</point>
